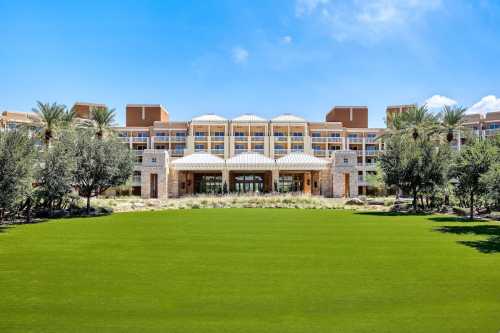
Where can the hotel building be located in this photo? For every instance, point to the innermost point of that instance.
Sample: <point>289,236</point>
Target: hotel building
<point>212,154</point>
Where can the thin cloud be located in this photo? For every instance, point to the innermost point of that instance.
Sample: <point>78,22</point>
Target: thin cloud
<point>240,55</point>
<point>287,39</point>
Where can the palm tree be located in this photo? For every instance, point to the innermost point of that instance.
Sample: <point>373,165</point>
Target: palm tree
<point>451,120</point>
<point>417,121</point>
<point>68,117</point>
<point>50,116</point>
<point>103,119</point>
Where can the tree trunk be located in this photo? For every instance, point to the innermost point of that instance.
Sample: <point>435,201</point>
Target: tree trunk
<point>472,206</point>
<point>28,211</point>
<point>414,200</point>
<point>88,205</point>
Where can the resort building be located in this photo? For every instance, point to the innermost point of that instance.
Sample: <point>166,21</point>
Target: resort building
<point>212,154</point>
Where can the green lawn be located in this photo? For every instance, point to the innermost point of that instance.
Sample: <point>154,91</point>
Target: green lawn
<point>250,270</point>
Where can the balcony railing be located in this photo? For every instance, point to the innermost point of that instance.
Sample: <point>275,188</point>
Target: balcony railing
<point>239,151</point>
<point>161,138</point>
<point>176,152</point>
<point>371,139</point>
<point>218,151</point>
<point>139,139</point>
<point>372,152</point>
<point>492,131</point>
<point>138,152</point>
<point>200,137</point>
<point>355,140</point>
<point>297,150</point>
<point>240,138</point>
<point>326,139</point>
<point>136,180</point>
<point>217,138</point>
<point>198,150</point>
<point>178,138</point>
<point>280,151</point>
<point>320,152</point>
<point>258,150</point>
<point>257,138</point>
<point>280,138</point>
<point>297,138</point>
<point>124,139</point>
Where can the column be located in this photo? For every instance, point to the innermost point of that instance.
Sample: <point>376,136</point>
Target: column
<point>274,179</point>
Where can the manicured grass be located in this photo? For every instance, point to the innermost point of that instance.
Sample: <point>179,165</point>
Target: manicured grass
<point>250,270</point>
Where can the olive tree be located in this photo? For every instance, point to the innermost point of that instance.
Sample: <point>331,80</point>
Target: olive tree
<point>101,163</point>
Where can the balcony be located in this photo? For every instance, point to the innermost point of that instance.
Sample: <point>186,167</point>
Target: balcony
<point>240,138</point>
<point>176,152</point>
<point>200,138</point>
<point>124,139</point>
<point>492,131</point>
<point>239,151</point>
<point>297,138</point>
<point>371,139</point>
<point>280,138</point>
<point>178,138</point>
<point>199,150</point>
<point>297,150</point>
<point>139,139</point>
<point>373,152</point>
<point>355,140</point>
<point>218,151</point>
<point>161,138</point>
<point>217,137</point>
<point>138,152</point>
<point>280,152</point>
<point>257,138</point>
<point>320,152</point>
<point>258,150</point>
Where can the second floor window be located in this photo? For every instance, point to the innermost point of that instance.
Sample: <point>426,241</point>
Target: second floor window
<point>219,134</point>
<point>258,134</point>
<point>239,134</point>
<point>279,134</point>
<point>182,134</point>
<point>240,146</point>
<point>297,134</point>
<point>279,147</point>
<point>219,147</point>
<point>315,134</point>
<point>353,135</point>
<point>335,135</point>
<point>200,134</point>
<point>198,146</point>
<point>259,146</point>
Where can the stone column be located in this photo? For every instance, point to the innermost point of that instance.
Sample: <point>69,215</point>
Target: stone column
<point>274,179</point>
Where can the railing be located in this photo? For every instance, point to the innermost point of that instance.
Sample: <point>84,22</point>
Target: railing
<point>280,151</point>
<point>136,180</point>
<point>281,138</point>
<point>492,131</point>
<point>297,150</point>
<point>178,138</point>
<point>176,152</point>
<point>161,138</point>
<point>258,150</point>
<point>239,151</point>
<point>124,139</point>
<point>318,152</point>
<point>139,139</point>
<point>200,137</point>
<point>138,152</point>
<point>359,152</point>
<point>355,140</point>
<point>360,178</point>
<point>217,151</point>
<point>198,150</point>
<point>217,138</point>
<point>371,152</point>
<point>240,138</point>
<point>257,138</point>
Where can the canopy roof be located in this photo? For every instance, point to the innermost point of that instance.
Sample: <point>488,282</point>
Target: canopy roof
<point>289,118</point>
<point>250,161</point>
<point>300,161</point>
<point>249,117</point>
<point>209,117</point>
<point>199,161</point>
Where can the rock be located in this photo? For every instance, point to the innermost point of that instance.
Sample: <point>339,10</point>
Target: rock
<point>460,211</point>
<point>376,202</point>
<point>355,202</point>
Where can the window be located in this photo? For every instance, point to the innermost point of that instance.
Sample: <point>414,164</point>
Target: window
<point>297,134</point>
<point>353,135</point>
<point>219,146</point>
<point>334,148</point>
<point>315,134</point>
<point>161,134</point>
<point>279,147</point>
<point>258,134</point>
<point>240,146</point>
<point>180,134</point>
<point>316,147</point>
<point>153,159</point>
<point>160,147</point>
<point>372,135</point>
<point>279,134</point>
<point>219,133</point>
<point>199,146</point>
<point>239,134</point>
<point>259,146</point>
<point>142,135</point>
<point>335,135</point>
<point>199,133</point>
<point>346,160</point>
<point>297,147</point>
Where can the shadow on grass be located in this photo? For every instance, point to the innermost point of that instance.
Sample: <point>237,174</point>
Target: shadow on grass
<point>490,245</point>
<point>391,214</point>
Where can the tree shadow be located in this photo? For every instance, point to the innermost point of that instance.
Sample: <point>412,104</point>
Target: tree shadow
<point>392,214</point>
<point>490,245</point>
<point>448,219</point>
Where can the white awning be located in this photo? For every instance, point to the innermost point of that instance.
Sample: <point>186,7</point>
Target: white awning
<point>199,161</point>
<point>250,161</point>
<point>300,161</point>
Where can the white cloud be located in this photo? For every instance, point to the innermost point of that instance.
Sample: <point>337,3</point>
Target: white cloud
<point>487,104</point>
<point>366,20</point>
<point>240,55</point>
<point>287,39</point>
<point>438,101</point>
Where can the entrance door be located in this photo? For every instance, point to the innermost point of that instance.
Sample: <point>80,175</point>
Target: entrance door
<point>249,183</point>
<point>347,185</point>
<point>291,183</point>
<point>153,186</point>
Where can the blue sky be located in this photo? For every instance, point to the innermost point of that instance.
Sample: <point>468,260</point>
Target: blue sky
<point>265,57</point>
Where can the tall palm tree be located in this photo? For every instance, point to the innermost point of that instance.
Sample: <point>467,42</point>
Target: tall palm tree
<point>452,118</point>
<point>68,117</point>
<point>103,118</point>
<point>418,121</point>
<point>50,116</point>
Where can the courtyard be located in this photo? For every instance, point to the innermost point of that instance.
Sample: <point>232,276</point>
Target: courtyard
<point>251,270</point>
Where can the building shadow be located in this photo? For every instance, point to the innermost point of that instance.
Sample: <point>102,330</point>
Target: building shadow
<point>489,245</point>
